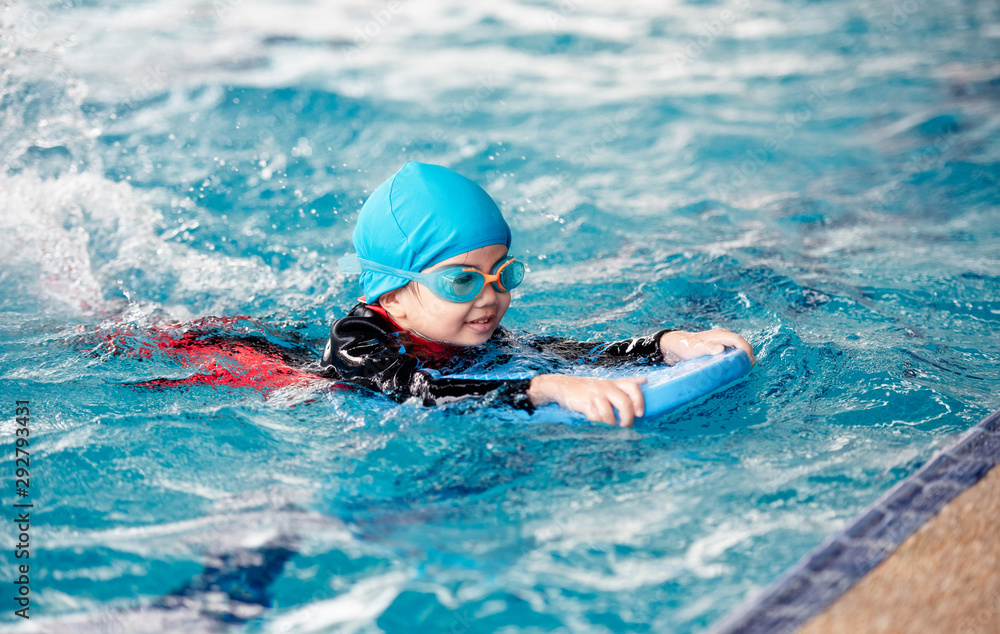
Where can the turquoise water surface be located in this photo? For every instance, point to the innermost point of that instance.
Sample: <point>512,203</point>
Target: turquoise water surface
<point>821,177</point>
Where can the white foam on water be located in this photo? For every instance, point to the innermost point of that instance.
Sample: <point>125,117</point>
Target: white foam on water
<point>352,611</point>
<point>80,242</point>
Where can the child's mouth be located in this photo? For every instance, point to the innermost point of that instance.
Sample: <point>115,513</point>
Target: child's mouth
<point>484,324</point>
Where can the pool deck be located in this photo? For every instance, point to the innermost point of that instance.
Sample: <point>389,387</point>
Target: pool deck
<point>924,558</point>
<point>944,578</point>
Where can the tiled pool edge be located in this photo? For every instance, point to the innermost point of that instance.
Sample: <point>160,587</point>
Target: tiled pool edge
<point>830,570</point>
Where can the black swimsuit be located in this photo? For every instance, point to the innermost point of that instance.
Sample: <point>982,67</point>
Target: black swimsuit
<point>368,349</point>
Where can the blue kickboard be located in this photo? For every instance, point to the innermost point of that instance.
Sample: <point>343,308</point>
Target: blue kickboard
<point>671,387</point>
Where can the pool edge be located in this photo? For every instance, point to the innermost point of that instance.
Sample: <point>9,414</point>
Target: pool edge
<point>836,565</point>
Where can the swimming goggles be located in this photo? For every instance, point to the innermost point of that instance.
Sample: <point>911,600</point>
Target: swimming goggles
<point>456,283</point>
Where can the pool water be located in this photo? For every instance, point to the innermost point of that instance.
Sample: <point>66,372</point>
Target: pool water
<point>821,177</point>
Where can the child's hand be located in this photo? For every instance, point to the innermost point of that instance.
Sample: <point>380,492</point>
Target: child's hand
<point>597,399</point>
<point>682,345</point>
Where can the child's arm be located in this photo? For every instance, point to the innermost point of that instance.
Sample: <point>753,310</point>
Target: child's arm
<point>680,345</point>
<point>597,399</point>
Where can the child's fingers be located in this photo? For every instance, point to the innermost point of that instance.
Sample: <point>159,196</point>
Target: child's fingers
<point>623,406</point>
<point>631,387</point>
<point>628,399</point>
<point>613,405</point>
<point>744,345</point>
<point>732,340</point>
<point>609,401</point>
<point>605,413</point>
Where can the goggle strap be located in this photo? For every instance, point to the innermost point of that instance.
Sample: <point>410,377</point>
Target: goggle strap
<point>349,264</point>
<point>352,264</point>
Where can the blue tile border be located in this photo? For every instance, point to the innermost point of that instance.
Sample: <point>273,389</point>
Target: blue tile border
<point>823,575</point>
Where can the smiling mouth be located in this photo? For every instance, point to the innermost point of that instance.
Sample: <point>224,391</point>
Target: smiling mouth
<point>484,320</point>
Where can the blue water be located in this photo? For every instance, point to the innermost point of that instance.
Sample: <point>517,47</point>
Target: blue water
<point>819,176</point>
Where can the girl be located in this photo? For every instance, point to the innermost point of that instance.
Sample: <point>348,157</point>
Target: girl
<point>432,251</point>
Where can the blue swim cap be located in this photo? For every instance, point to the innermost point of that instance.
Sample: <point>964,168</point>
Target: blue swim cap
<point>422,215</point>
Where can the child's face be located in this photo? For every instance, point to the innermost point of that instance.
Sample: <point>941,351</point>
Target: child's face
<point>416,308</point>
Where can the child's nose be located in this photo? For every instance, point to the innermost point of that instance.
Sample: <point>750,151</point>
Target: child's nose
<point>487,296</point>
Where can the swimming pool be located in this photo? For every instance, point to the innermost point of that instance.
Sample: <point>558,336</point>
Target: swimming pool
<point>821,177</point>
